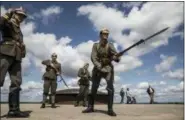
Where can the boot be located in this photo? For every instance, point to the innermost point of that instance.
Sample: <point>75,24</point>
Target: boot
<point>14,103</point>
<point>53,102</point>
<point>76,104</point>
<point>44,101</point>
<point>110,103</point>
<point>43,105</point>
<point>111,113</point>
<point>84,104</point>
<point>88,110</point>
<point>53,105</point>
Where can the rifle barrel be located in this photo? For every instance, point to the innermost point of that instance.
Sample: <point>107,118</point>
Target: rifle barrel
<point>141,41</point>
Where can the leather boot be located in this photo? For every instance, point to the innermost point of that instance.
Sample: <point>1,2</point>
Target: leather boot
<point>110,103</point>
<point>88,110</point>
<point>53,101</point>
<point>44,101</point>
<point>111,113</point>
<point>90,107</point>
<point>14,103</point>
<point>76,103</point>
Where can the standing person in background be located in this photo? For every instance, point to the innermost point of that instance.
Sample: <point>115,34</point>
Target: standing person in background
<point>122,94</point>
<point>84,81</point>
<point>53,69</point>
<point>150,92</point>
<point>129,96</point>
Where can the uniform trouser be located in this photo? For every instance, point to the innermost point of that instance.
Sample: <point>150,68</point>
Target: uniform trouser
<point>96,77</point>
<point>13,67</point>
<point>49,84</point>
<point>151,98</point>
<point>122,98</point>
<point>129,100</point>
<point>83,93</point>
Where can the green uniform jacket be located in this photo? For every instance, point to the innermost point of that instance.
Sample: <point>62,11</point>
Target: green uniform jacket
<point>11,36</point>
<point>51,73</point>
<point>99,53</point>
<point>82,73</point>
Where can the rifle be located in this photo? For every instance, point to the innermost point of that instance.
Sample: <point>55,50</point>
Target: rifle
<point>61,78</point>
<point>141,41</point>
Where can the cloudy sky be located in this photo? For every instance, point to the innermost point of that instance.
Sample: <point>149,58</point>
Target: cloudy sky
<point>71,28</point>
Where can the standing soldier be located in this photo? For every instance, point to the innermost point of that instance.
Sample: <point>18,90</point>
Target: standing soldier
<point>12,50</point>
<point>122,94</point>
<point>84,75</point>
<point>102,55</point>
<point>53,68</point>
<point>150,92</point>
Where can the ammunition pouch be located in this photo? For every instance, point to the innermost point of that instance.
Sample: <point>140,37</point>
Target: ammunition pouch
<point>19,46</point>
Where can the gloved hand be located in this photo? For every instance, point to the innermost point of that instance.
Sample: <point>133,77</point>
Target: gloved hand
<point>116,58</point>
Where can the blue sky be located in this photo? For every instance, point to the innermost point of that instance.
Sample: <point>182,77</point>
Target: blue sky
<point>78,23</point>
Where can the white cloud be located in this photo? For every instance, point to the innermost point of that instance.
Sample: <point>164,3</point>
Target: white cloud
<point>51,10</point>
<point>166,63</point>
<point>116,22</point>
<point>47,15</point>
<point>131,4</point>
<point>173,88</point>
<point>162,83</point>
<point>143,85</point>
<point>176,74</point>
<point>127,63</point>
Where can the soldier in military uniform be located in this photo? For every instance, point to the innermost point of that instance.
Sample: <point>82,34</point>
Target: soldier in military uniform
<point>122,94</point>
<point>53,68</point>
<point>150,92</point>
<point>102,54</point>
<point>83,82</point>
<point>12,50</point>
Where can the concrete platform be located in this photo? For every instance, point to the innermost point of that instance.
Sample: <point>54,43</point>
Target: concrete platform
<point>124,112</point>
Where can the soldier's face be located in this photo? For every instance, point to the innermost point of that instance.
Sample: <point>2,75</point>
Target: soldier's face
<point>86,67</point>
<point>54,57</point>
<point>19,17</point>
<point>104,36</point>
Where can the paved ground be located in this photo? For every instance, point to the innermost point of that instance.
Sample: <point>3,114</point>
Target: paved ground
<point>124,112</point>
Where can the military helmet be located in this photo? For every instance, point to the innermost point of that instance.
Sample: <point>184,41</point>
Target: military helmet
<point>21,11</point>
<point>104,30</point>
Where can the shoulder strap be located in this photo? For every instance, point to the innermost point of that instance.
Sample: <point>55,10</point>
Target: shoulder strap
<point>106,47</point>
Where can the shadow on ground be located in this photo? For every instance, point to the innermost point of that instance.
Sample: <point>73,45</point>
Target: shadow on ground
<point>27,112</point>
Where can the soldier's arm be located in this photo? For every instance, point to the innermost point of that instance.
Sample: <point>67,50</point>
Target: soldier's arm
<point>46,62</point>
<point>80,73</point>
<point>94,57</point>
<point>5,18</point>
<point>114,53</point>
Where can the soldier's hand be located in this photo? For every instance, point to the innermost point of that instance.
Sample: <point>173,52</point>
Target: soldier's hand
<point>99,67</point>
<point>116,58</point>
<point>104,70</point>
<point>58,73</point>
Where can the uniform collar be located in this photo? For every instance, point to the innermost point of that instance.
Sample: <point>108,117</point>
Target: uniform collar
<point>103,43</point>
